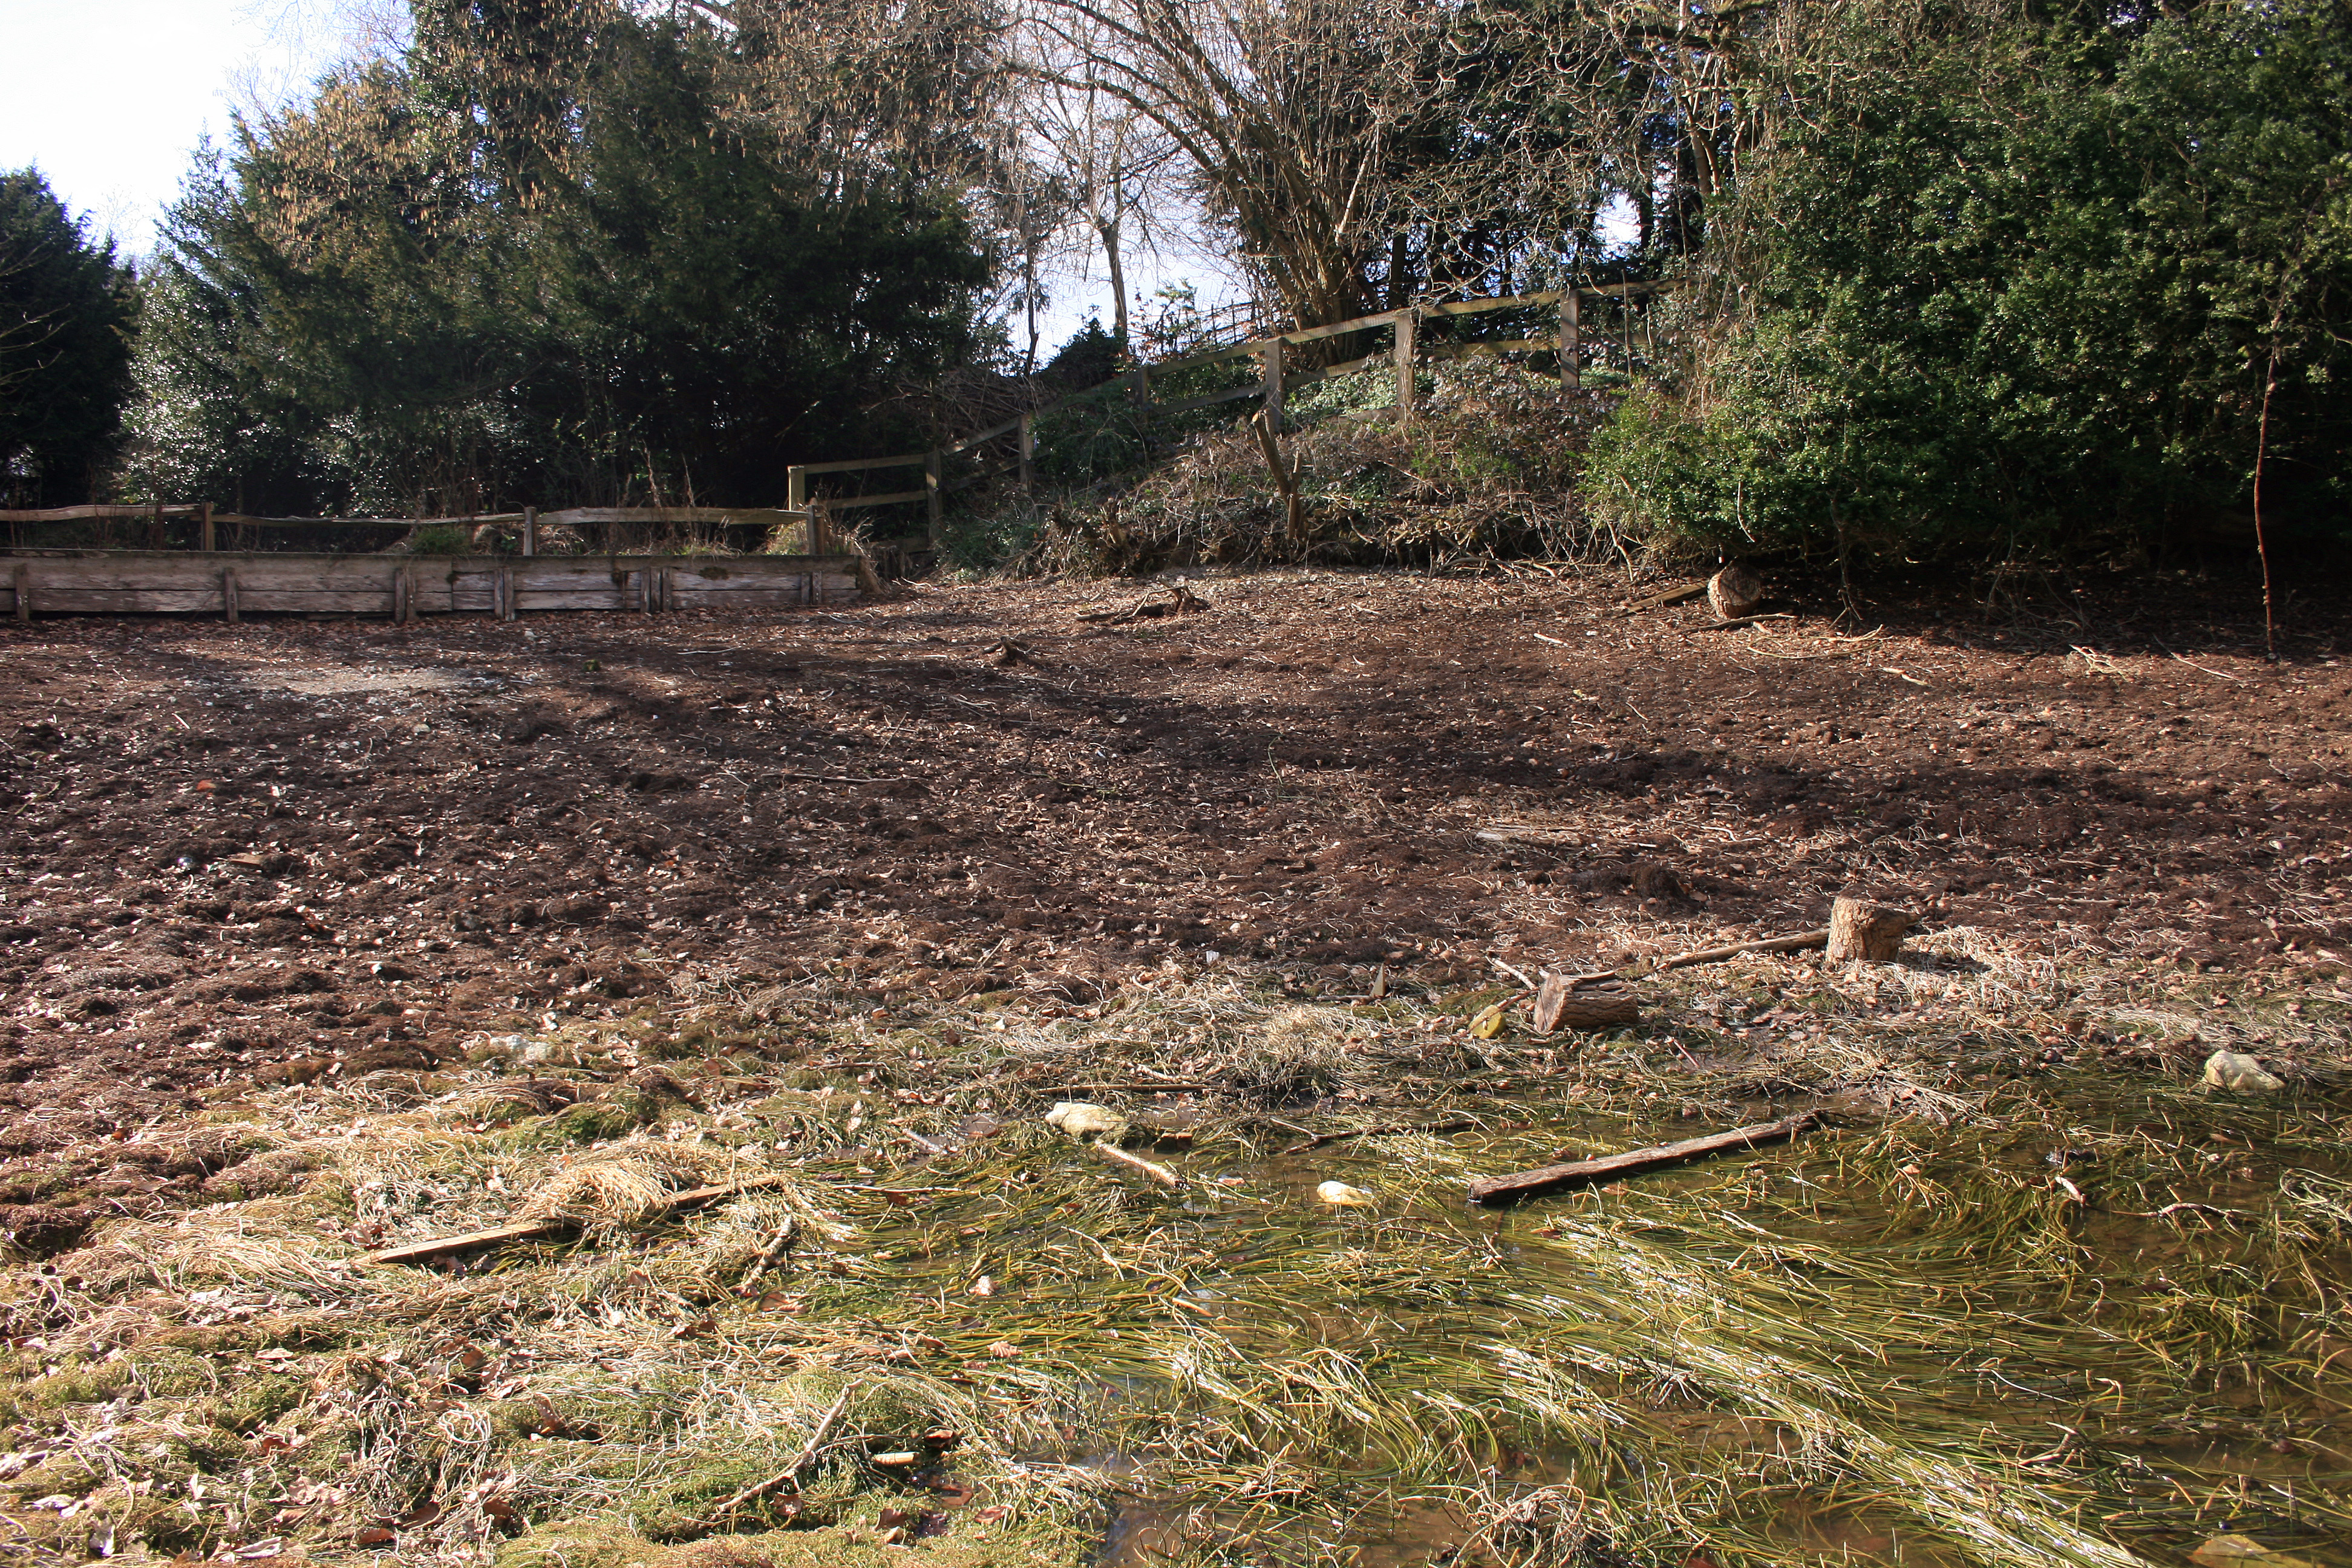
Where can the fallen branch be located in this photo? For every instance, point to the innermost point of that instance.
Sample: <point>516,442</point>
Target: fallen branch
<point>790,1474</point>
<point>1180,601</point>
<point>1737,620</point>
<point>1137,1163</point>
<point>1439,1128</point>
<point>1577,1172</point>
<point>1673,595</point>
<point>767,1258</point>
<point>498,1236</point>
<point>1707,955</point>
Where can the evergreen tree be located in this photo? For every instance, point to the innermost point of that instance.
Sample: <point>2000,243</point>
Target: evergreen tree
<point>66,310</point>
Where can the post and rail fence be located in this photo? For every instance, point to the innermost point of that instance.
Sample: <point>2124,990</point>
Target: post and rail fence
<point>1570,342</point>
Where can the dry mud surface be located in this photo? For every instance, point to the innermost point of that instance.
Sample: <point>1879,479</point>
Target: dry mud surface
<point>240,856</point>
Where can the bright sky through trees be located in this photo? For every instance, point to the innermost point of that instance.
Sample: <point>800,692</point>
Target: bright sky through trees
<point>109,101</point>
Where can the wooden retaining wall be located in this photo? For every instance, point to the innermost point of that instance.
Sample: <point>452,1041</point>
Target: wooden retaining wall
<point>158,581</point>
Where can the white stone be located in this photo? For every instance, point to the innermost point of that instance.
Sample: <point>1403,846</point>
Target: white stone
<point>2235,1069</point>
<point>1081,1119</point>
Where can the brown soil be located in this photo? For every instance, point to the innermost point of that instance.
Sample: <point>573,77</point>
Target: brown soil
<point>246,855</point>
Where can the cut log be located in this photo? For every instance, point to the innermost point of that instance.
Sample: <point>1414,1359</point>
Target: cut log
<point>1559,1004</point>
<point>1579,1172</point>
<point>1734,592</point>
<point>1860,928</point>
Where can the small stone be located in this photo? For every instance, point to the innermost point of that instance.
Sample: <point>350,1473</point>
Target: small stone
<point>1340,1195</point>
<point>1082,1121</point>
<point>2235,1069</point>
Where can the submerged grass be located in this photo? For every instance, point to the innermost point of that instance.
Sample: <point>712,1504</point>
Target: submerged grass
<point>2035,1296</point>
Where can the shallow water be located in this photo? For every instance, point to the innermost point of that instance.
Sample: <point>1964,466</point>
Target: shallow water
<point>1897,1343</point>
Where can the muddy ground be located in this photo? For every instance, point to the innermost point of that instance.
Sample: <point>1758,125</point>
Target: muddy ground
<point>240,856</point>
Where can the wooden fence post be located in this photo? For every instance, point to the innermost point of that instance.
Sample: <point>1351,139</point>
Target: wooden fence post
<point>1571,343</point>
<point>932,494</point>
<point>228,595</point>
<point>24,592</point>
<point>1028,454</point>
<point>400,596</point>
<point>207,516</point>
<point>530,530</point>
<point>155,540</point>
<point>1406,322</point>
<point>1272,355</point>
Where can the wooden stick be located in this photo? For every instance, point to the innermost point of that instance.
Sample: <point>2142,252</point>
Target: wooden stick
<point>1671,597</point>
<point>790,1474</point>
<point>1577,1172</point>
<point>1737,620</point>
<point>1707,955</point>
<point>498,1236</point>
<point>1438,1128</point>
<point>767,1258</point>
<point>1137,1163</point>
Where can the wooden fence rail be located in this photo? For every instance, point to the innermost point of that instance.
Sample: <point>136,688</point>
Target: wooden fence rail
<point>528,521</point>
<point>1275,378</point>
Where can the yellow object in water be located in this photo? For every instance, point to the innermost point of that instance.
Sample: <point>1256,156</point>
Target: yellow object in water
<point>1340,1194</point>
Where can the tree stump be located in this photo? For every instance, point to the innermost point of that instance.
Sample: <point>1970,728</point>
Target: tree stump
<point>1734,592</point>
<point>1860,928</point>
<point>1559,1005</point>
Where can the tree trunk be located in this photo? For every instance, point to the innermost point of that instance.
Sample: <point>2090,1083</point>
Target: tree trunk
<point>1860,928</point>
<point>1108,229</point>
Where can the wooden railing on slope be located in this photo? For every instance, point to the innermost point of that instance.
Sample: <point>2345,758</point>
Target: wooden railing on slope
<point>1273,378</point>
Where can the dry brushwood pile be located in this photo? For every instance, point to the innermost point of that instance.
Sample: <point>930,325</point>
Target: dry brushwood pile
<point>1489,467</point>
<point>816,1089</point>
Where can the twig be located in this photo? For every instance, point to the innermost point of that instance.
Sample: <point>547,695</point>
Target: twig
<point>1136,1162</point>
<point>767,1259</point>
<point>1707,955</point>
<point>1725,625</point>
<point>1512,973</point>
<point>789,1474</point>
<point>1320,1139</point>
<point>2207,670</point>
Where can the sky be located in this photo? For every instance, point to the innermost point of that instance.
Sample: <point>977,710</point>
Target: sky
<point>109,104</point>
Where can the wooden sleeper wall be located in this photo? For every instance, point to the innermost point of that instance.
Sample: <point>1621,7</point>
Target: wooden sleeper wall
<point>143,581</point>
